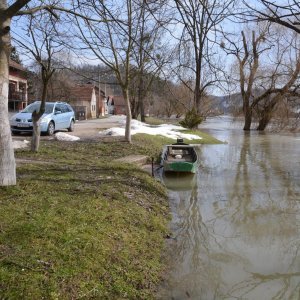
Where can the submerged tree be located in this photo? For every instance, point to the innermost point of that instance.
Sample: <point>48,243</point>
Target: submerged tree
<point>268,64</point>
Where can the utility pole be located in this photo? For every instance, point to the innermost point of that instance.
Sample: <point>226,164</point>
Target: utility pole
<point>102,112</point>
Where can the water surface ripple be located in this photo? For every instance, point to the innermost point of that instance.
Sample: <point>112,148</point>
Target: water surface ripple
<point>236,224</point>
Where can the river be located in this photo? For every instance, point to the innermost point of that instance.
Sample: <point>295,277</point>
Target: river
<point>235,225</point>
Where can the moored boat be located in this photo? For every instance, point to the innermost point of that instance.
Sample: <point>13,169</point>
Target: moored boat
<point>180,157</point>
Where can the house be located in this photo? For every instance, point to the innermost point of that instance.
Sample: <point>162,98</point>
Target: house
<point>17,92</point>
<point>116,105</point>
<point>87,101</point>
<point>110,105</point>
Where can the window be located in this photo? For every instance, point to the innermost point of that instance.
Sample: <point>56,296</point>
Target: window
<point>58,107</point>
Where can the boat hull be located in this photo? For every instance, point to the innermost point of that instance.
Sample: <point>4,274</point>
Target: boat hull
<point>185,167</point>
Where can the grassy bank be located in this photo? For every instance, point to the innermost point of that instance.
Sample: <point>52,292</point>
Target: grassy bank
<point>78,225</point>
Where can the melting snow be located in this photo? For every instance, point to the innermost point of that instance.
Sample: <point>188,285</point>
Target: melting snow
<point>20,144</point>
<point>167,130</point>
<point>61,136</point>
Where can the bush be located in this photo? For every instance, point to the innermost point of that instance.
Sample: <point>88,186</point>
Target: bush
<point>191,119</point>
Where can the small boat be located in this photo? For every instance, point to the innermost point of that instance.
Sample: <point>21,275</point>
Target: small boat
<point>180,157</point>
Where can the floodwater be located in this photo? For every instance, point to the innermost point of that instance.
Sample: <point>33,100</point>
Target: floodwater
<point>236,224</point>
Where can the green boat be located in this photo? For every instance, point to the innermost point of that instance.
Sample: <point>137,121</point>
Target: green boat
<point>180,157</point>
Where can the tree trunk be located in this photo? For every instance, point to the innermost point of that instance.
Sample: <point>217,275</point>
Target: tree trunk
<point>266,115</point>
<point>263,122</point>
<point>197,95</point>
<point>7,158</point>
<point>141,104</point>
<point>35,140</point>
<point>248,119</point>
<point>141,97</point>
<point>128,116</point>
<point>134,108</point>
<point>36,133</point>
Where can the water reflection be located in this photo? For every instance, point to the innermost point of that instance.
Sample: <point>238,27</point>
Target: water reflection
<point>236,230</point>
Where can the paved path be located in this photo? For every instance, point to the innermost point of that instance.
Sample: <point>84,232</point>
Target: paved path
<point>83,129</point>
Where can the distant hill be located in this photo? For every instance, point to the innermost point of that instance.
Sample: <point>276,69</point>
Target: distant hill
<point>227,103</point>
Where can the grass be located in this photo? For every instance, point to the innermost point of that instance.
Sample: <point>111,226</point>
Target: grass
<point>157,121</point>
<point>79,225</point>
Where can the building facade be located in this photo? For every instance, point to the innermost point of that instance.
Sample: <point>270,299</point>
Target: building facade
<point>87,101</point>
<point>17,92</point>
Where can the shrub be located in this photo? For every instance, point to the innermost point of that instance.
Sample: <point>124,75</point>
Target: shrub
<point>191,120</point>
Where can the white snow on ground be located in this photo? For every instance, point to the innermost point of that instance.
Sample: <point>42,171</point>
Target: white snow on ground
<point>61,136</point>
<point>20,144</point>
<point>167,130</point>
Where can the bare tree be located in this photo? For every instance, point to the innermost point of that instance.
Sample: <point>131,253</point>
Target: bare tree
<point>263,84</point>
<point>7,12</point>
<point>198,68</point>
<point>149,55</point>
<point>42,46</point>
<point>7,159</point>
<point>112,42</point>
<point>282,12</point>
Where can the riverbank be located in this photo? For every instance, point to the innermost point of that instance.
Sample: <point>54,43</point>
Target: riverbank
<point>80,224</point>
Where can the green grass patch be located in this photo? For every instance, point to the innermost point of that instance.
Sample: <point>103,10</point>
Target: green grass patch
<point>156,121</point>
<point>79,225</point>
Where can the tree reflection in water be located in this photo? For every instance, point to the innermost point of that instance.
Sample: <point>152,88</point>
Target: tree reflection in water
<point>237,229</point>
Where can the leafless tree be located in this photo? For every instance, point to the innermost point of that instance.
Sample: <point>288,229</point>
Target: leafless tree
<point>150,53</point>
<point>263,84</point>
<point>112,42</point>
<point>7,13</point>
<point>198,67</point>
<point>282,12</point>
<point>42,46</point>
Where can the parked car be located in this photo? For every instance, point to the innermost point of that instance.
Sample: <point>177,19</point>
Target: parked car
<point>57,116</point>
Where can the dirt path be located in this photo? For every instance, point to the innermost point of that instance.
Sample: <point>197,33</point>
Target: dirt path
<point>91,128</point>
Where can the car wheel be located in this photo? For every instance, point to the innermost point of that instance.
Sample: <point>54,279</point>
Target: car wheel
<point>71,128</point>
<point>51,128</point>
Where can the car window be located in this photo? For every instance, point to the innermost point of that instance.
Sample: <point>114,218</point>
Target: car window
<point>58,107</point>
<point>65,108</point>
<point>36,107</point>
<point>69,108</point>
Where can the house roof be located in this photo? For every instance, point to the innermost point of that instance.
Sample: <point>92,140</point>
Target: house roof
<point>15,65</point>
<point>83,92</point>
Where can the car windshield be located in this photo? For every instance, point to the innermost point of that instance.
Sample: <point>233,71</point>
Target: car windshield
<point>36,106</point>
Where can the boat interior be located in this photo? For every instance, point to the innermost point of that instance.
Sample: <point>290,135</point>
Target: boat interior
<point>185,154</point>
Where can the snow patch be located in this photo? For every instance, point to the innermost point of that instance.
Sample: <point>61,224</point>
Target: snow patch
<point>167,130</point>
<point>20,144</point>
<point>61,136</point>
